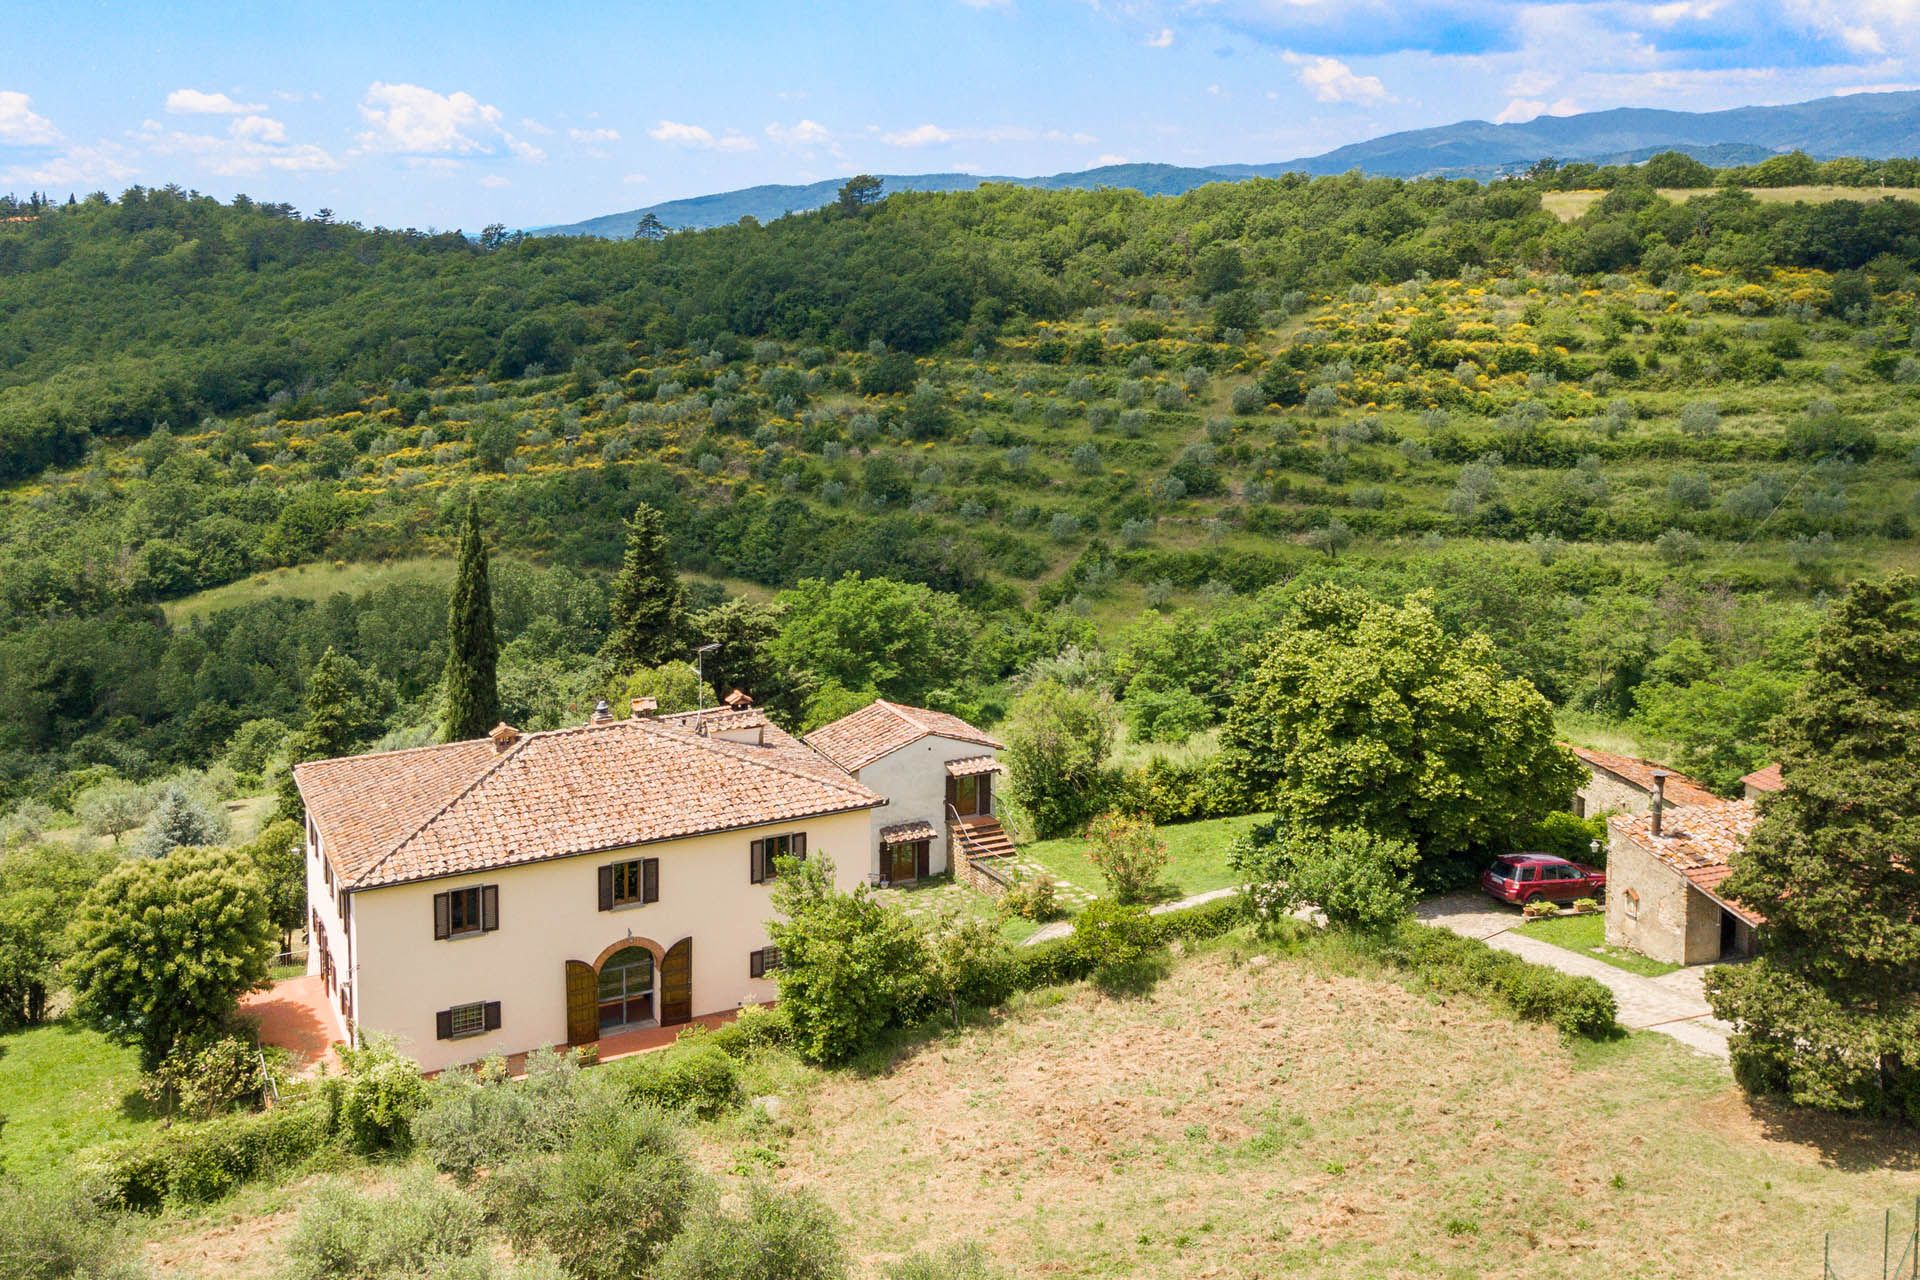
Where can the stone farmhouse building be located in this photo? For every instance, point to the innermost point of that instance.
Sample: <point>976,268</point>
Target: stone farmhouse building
<point>559,887</point>
<point>1667,861</point>
<point>1625,784</point>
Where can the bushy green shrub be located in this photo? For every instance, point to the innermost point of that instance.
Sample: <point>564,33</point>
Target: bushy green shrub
<point>1446,961</point>
<point>48,1234</point>
<point>850,963</point>
<point>474,1119</point>
<point>779,1236</point>
<point>1128,853</point>
<point>204,1161</point>
<point>1567,836</point>
<point>1167,791</point>
<point>422,1227</point>
<point>1114,937</point>
<point>1031,897</point>
<point>608,1204</point>
<point>383,1091</point>
<point>1356,879</point>
<point>694,1075</point>
<point>203,1078</point>
<point>754,1028</point>
<point>1540,908</point>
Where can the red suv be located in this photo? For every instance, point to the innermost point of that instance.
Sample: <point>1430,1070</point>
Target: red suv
<point>1523,877</point>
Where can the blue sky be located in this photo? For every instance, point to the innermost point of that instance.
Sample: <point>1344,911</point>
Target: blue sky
<point>430,114</point>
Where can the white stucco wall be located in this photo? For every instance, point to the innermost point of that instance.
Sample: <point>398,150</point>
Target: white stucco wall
<point>549,914</point>
<point>325,903</point>
<point>914,781</point>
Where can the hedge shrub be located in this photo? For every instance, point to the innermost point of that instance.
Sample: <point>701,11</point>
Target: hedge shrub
<point>694,1075</point>
<point>1446,961</point>
<point>195,1163</point>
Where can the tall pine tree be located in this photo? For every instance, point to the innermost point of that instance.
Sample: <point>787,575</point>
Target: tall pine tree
<point>343,707</point>
<point>470,691</point>
<point>1828,1015</point>
<point>646,596</point>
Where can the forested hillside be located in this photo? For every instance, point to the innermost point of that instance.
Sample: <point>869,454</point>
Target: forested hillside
<point>1635,448</point>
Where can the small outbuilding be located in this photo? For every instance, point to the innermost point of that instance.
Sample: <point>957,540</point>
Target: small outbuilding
<point>1665,870</point>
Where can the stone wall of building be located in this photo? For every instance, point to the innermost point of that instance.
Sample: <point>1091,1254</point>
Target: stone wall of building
<point>1605,793</point>
<point>1652,909</point>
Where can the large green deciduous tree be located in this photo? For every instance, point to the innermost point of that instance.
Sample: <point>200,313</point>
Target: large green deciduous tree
<point>1057,744</point>
<point>1367,714</point>
<point>902,639</point>
<point>343,708</point>
<point>164,948</point>
<point>1828,1014</point>
<point>471,688</point>
<point>646,599</point>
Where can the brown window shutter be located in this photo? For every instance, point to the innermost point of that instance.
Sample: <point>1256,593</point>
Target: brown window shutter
<point>443,1025</point>
<point>757,862</point>
<point>489,907</point>
<point>606,887</point>
<point>346,906</point>
<point>756,964</point>
<point>493,1015</point>
<point>441,911</point>
<point>650,880</point>
<point>953,792</point>
<point>920,863</point>
<point>800,846</point>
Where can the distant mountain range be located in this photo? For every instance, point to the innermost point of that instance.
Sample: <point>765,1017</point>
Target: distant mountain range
<point>1874,125</point>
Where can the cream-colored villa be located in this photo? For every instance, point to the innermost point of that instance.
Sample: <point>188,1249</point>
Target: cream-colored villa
<point>552,888</point>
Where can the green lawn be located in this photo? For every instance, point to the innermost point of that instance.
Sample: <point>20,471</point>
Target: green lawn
<point>1587,935</point>
<point>63,1089</point>
<point>307,582</point>
<point>1196,856</point>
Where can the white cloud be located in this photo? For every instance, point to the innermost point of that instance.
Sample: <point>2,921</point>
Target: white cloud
<point>75,167</point>
<point>1161,39</point>
<point>805,133</point>
<point>696,138</point>
<point>595,136</point>
<point>494,182</point>
<point>1110,157</point>
<point>1332,80</point>
<point>411,120</point>
<point>193,102</point>
<point>925,135</point>
<point>258,129</point>
<point>20,126</point>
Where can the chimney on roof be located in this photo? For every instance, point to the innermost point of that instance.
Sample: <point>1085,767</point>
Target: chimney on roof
<point>602,713</point>
<point>504,736</point>
<point>1659,797</point>
<point>738,700</point>
<point>645,707</point>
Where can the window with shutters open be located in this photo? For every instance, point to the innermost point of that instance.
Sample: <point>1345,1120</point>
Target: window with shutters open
<point>762,962</point>
<point>764,855</point>
<point>462,913</point>
<point>632,883</point>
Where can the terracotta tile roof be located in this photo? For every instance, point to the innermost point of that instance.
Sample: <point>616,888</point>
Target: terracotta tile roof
<point>855,741</point>
<point>554,794</point>
<point>1681,789</point>
<point>902,832</point>
<point>1767,779</point>
<point>972,765</point>
<point>776,743</point>
<point>1698,841</point>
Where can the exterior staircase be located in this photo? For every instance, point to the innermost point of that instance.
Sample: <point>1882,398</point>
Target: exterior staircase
<point>983,837</point>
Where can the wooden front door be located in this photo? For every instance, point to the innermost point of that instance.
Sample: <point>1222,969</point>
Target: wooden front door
<point>676,983</point>
<point>583,1018</point>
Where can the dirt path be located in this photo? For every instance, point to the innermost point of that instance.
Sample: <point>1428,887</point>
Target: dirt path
<point>1674,1004</point>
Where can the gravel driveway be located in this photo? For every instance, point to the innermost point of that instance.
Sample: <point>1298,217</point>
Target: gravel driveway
<point>1673,1004</point>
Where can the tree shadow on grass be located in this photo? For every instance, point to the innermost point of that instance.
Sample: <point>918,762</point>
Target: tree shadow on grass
<point>1854,1144</point>
<point>1135,980</point>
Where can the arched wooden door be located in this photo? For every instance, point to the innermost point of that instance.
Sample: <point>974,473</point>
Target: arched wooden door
<point>583,1015</point>
<point>676,983</point>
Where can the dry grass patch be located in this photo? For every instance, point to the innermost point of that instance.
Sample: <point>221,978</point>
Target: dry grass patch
<point>1243,1122</point>
<point>1568,205</point>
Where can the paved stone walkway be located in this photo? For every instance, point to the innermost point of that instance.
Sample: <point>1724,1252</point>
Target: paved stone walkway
<point>1673,1004</point>
<point>1064,928</point>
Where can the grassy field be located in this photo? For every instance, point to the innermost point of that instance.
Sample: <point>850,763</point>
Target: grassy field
<point>1568,205</point>
<point>1308,1118</point>
<point>308,582</point>
<point>63,1089</point>
<point>1588,935</point>
<point>1196,856</point>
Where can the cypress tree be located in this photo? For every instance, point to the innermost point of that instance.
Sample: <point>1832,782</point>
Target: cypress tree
<point>470,690</point>
<point>1827,1014</point>
<point>646,596</point>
